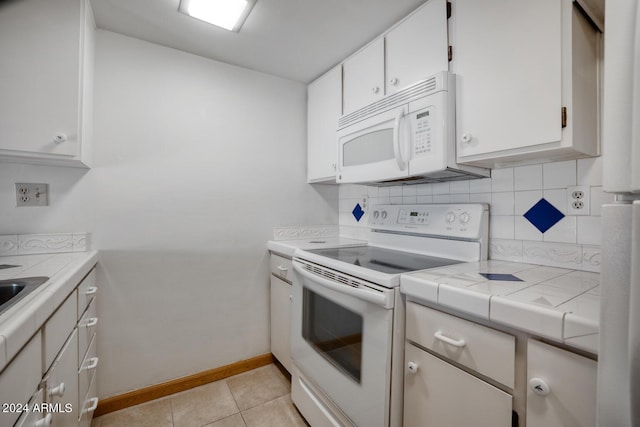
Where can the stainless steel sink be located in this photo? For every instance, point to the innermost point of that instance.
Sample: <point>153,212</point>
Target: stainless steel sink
<point>13,290</point>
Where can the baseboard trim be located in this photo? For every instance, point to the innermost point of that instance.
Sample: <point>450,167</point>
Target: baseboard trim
<point>136,397</point>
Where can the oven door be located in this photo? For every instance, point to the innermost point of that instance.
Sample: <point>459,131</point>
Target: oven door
<point>341,342</point>
<point>374,149</point>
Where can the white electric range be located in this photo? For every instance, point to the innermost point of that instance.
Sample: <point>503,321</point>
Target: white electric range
<point>348,315</point>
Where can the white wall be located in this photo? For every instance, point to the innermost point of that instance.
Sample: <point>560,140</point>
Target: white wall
<point>194,162</point>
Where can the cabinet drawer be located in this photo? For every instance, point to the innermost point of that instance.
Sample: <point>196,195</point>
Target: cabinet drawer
<point>86,330</point>
<point>86,291</point>
<point>485,350</point>
<point>87,369</point>
<point>281,267</point>
<point>88,405</point>
<point>29,419</point>
<point>20,379</point>
<point>58,328</point>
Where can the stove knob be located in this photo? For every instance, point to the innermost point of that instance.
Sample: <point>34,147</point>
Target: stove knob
<point>465,218</point>
<point>450,218</point>
<point>384,214</point>
<point>376,214</point>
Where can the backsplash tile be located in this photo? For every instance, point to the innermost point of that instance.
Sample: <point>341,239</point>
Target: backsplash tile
<point>303,232</point>
<point>571,242</point>
<point>543,215</point>
<point>33,244</point>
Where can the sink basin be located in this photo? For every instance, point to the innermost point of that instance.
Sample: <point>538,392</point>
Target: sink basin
<point>13,290</point>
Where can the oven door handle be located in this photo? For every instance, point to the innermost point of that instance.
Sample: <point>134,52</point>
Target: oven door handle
<point>381,299</point>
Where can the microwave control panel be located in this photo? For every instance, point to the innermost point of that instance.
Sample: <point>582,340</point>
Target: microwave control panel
<point>422,131</point>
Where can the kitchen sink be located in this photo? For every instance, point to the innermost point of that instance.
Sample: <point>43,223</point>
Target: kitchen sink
<point>13,290</point>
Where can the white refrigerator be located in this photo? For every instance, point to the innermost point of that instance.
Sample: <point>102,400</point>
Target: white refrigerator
<point>619,346</point>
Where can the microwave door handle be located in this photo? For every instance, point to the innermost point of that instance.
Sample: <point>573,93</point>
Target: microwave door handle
<point>397,149</point>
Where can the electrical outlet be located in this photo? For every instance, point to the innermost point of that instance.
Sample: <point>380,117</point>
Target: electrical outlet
<point>578,200</point>
<point>28,194</point>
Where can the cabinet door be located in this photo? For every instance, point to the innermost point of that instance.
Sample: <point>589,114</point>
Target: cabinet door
<point>364,77</point>
<point>62,384</point>
<point>439,394</point>
<point>324,107</point>
<point>507,57</point>
<point>281,321</point>
<point>571,382</point>
<point>418,47</point>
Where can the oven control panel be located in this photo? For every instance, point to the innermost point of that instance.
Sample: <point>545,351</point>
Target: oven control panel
<point>464,220</point>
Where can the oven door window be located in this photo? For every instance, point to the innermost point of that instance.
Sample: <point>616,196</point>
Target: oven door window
<point>334,332</point>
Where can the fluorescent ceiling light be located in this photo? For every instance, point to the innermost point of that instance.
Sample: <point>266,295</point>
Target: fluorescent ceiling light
<point>227,14</point>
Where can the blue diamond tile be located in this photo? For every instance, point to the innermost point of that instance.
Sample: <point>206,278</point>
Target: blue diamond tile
<point>357,212</point>
<point>543,215</point>
<point>501,277</point>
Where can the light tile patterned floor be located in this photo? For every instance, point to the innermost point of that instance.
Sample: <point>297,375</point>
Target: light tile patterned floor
<point>258,398</point>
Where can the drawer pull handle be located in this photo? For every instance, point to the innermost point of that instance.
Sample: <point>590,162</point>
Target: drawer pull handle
<point>412,367</point>
<point>282,269</point>
<point>57,391</point>
<point>91,290</point>
<point>455,343</point>
<point>92,407</point>
<point>92,363</point>
<point>539,386</point>
<point>44,422</point>
<point>91,322</point>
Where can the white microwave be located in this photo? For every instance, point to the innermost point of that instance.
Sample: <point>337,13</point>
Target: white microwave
<point>406,137</point>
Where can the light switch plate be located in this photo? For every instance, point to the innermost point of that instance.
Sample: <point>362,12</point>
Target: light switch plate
<point>28,194</point>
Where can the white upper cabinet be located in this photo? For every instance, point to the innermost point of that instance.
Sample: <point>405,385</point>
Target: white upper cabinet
<point>324,107</point>
<point>364,77</point>
<point>527,81</point>
<point>412,50</point>
<point>418,47</point>
<point>45,81</point>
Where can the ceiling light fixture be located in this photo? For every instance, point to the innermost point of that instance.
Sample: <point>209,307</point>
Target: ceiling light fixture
<point>227,14</point>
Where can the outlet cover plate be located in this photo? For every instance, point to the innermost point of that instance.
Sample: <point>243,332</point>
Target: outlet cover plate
<point>580,195</point>
<point>29,194</point>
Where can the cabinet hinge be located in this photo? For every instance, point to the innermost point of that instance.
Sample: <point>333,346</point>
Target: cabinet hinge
<point>450,53</point>
<point>448,9</point>
<point>564,117</point>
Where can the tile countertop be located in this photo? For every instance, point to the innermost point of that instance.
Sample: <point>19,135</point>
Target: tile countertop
<point>288,247</point>
<point>556,303</point>
<point>22,320</point>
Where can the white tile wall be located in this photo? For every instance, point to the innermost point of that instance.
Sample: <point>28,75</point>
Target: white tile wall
<point>573,242</point>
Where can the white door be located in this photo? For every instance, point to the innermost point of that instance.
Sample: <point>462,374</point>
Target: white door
<point>62,384</point>
<point>507,58</point>
<point>281,321</point>
<point>364,77</point>
<point>571,382</point>
<point>342,343</point>
<point>418,47</point>
<point>438,394</point>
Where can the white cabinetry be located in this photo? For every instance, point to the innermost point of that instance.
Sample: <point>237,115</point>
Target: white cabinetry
<point>569,381</point>
<point>324,108</point>
<point>46,81</point>
<point>527,81</point>
<point>411,51</point>
<point>62,347</point>
<point>281,271</point>
<point>440,393</point>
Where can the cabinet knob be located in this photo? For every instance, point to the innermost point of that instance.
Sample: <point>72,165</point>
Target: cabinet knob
<point>466,138</point>
<point>57,391</point>
<point>539,386</point>
<point>290,297</point>
<point>44,422</point>
<point>375,89</point>
<point>60,138</point>
<point>412,367</point>
<point>394,81</point>
<point>333,165</point>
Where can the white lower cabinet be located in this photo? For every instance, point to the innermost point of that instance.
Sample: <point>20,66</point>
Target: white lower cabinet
<point>62,385</point>
<point>35,418</point>
<point>439,394</point>
<point>562,387</point>
<point>281,321</point>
